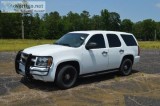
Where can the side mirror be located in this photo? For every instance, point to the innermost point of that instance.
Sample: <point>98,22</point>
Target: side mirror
<point>91,45</point>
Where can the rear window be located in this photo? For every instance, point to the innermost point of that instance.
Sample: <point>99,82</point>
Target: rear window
<point>129,40</point>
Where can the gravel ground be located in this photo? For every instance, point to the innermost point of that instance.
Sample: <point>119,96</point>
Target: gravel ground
<point>150,62</point>
<point>142,88</point>
<point>141,101</point>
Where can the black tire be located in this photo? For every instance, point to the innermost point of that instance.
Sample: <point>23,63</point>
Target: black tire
<point>126,67</point>
<point>66,77</point>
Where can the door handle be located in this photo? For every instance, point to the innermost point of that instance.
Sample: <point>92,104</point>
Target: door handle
<point>121,51</point>
<point>104,53</point>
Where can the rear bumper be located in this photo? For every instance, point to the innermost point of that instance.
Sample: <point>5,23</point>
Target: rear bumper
<point>38,73</point>
<point>136,59</point>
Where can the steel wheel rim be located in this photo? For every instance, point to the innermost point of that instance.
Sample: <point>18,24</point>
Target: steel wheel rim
<point>127,67</point>
<point>68,76</point>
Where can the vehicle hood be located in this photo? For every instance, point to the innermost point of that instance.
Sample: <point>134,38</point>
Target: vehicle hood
<point>46,50</point>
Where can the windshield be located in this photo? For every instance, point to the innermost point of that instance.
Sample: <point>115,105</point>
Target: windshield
<point>72,39</point>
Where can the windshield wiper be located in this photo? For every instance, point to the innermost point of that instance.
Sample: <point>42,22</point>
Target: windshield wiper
<point>56,43</point>
<point>64,44</point>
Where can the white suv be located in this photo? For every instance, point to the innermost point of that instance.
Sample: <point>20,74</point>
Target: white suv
<point>79,53</point>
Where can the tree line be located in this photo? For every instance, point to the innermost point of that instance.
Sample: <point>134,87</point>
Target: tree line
<point>52,25</point>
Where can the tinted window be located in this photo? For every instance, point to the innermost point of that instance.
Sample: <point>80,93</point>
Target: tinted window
<point>129,40</point>
<point>113,40</point>
<point>99,39</point>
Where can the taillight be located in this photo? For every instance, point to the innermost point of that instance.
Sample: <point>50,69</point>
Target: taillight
<point>139,50</point>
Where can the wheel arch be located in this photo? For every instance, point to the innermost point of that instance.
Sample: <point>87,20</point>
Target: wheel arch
<point>128,56</point>
<point>74,63</point>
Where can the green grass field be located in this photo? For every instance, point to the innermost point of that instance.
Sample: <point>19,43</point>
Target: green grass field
<point>18,44</point>
<point>149,44</point>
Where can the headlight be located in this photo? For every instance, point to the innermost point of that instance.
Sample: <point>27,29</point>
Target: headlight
<point>44,61</point>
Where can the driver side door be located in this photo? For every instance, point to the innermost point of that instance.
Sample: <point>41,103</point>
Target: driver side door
<point>95,59</point>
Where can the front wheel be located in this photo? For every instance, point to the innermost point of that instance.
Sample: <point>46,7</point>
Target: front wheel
<point>126,67</point>
<point>66,77</point>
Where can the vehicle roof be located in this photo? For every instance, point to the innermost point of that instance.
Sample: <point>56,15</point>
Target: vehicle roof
<point>100,31</point>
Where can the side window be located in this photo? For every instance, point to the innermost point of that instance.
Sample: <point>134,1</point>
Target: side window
<point>99,39</point>
<point>113,40</point>
<point>129,40</point>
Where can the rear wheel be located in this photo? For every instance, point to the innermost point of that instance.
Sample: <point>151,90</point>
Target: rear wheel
<point>66,77</point>
<point>126,67</point>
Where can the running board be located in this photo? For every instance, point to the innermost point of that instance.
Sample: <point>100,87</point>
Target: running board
<point>99,73</point>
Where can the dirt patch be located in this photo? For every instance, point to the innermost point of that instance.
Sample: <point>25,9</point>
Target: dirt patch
<point>105,92</point>
<point>141,88</point>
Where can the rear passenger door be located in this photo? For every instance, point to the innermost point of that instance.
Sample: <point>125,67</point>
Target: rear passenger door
<point>115,51</point>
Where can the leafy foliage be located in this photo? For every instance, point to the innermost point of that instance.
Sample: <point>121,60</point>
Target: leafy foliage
<point>53,25</point>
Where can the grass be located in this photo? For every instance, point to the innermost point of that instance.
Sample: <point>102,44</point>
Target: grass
<point>18,44</point>
<point>149,44</point>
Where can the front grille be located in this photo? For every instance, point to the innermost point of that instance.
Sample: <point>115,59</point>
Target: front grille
<point>33,60</point>
<point>24,58</point>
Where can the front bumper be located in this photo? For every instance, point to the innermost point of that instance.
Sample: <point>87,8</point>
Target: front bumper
<point>39,71</point>
<point>30,71</point>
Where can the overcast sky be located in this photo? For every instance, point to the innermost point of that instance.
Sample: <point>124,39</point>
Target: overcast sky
<point>136,10</point>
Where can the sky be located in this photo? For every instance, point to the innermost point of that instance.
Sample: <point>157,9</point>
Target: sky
<point>136,10</point>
